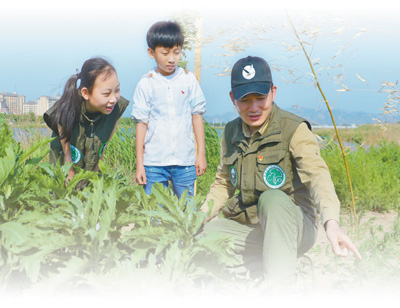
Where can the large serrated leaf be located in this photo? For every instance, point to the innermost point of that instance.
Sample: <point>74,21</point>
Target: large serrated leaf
<point>7,164</point>
<point>13,234</point>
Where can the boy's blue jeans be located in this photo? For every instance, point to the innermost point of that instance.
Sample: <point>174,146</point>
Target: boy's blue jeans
<point>182,178</point>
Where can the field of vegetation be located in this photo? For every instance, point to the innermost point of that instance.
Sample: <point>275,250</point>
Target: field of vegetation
<point>111,236</point>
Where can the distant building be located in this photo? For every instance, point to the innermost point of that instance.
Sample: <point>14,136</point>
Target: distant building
<point>12,102</point>
<point>44,103</point>
<point>3,106</point>
<point>30,106</point>
<point>16,104</point>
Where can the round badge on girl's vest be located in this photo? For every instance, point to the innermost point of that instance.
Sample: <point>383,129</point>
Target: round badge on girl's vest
<point>274,176</point>
<point>75,154</point>
<point>233,175</point>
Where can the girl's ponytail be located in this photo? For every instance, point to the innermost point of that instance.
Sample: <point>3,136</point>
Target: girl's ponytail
<point>67,109</point>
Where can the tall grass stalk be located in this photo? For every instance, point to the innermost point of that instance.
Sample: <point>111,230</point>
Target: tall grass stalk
<point>332,117</point>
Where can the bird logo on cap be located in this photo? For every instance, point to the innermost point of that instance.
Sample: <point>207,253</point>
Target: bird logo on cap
<point>248,72</point>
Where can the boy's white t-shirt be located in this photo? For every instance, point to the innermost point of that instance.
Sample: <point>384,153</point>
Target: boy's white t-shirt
<point>167,106</point>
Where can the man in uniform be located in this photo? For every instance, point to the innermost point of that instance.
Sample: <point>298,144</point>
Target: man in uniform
<point>272,159</point>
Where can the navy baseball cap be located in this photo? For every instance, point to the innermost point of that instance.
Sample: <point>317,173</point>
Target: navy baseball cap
<point>250,75</point>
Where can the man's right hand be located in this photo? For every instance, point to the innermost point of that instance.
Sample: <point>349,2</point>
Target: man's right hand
<point>340,242</point>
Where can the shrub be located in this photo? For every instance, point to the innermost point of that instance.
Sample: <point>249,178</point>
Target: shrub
<point>374,175</point>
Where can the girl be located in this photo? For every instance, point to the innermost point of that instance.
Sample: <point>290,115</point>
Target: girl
<point>85,117</point>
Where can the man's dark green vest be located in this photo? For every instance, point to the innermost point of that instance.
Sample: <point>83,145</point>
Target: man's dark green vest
<point>89,137</point>
<point>262,165</point>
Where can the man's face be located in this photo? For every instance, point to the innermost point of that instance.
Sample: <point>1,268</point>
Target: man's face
<point>255,108</point>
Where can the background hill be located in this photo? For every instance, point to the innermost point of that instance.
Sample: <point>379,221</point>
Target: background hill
<point>318,116</point>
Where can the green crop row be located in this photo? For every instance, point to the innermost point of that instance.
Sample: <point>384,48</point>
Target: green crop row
<point>374,175</point>
<point>55,237</point>
<point>58,237</point>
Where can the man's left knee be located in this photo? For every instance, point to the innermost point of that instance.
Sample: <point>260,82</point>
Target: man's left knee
<point>273,202</point>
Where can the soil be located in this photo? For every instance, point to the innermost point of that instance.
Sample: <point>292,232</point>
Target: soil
<point>326,271</point>
<point>375,219</point>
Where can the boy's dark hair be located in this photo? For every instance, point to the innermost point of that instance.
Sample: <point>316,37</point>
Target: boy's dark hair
<point>165,34</point>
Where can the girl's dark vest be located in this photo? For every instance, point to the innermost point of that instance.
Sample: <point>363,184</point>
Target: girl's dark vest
<point>89,137</point>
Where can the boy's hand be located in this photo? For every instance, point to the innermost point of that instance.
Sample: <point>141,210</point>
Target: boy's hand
<point>140,175</point>
<point>200,165</point>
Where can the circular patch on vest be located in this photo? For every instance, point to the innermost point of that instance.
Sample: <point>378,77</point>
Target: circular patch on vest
<point>75,154</point>
<point>233,175</point>
<point>102,148</point>
<point>274,176</point>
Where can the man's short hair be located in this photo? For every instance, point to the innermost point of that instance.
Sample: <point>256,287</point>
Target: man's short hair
<point>165,34</point>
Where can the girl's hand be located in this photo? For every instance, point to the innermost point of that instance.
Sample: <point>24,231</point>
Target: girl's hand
<point>140,175</point>
<point>200,165</point>
<point>70,175</point>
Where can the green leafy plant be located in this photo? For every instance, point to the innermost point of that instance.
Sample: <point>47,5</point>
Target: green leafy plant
<point>169,230</point>
<point>18,180</point>
<point>54,236</point>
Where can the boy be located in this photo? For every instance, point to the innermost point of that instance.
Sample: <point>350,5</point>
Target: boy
<point>168,105</point>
